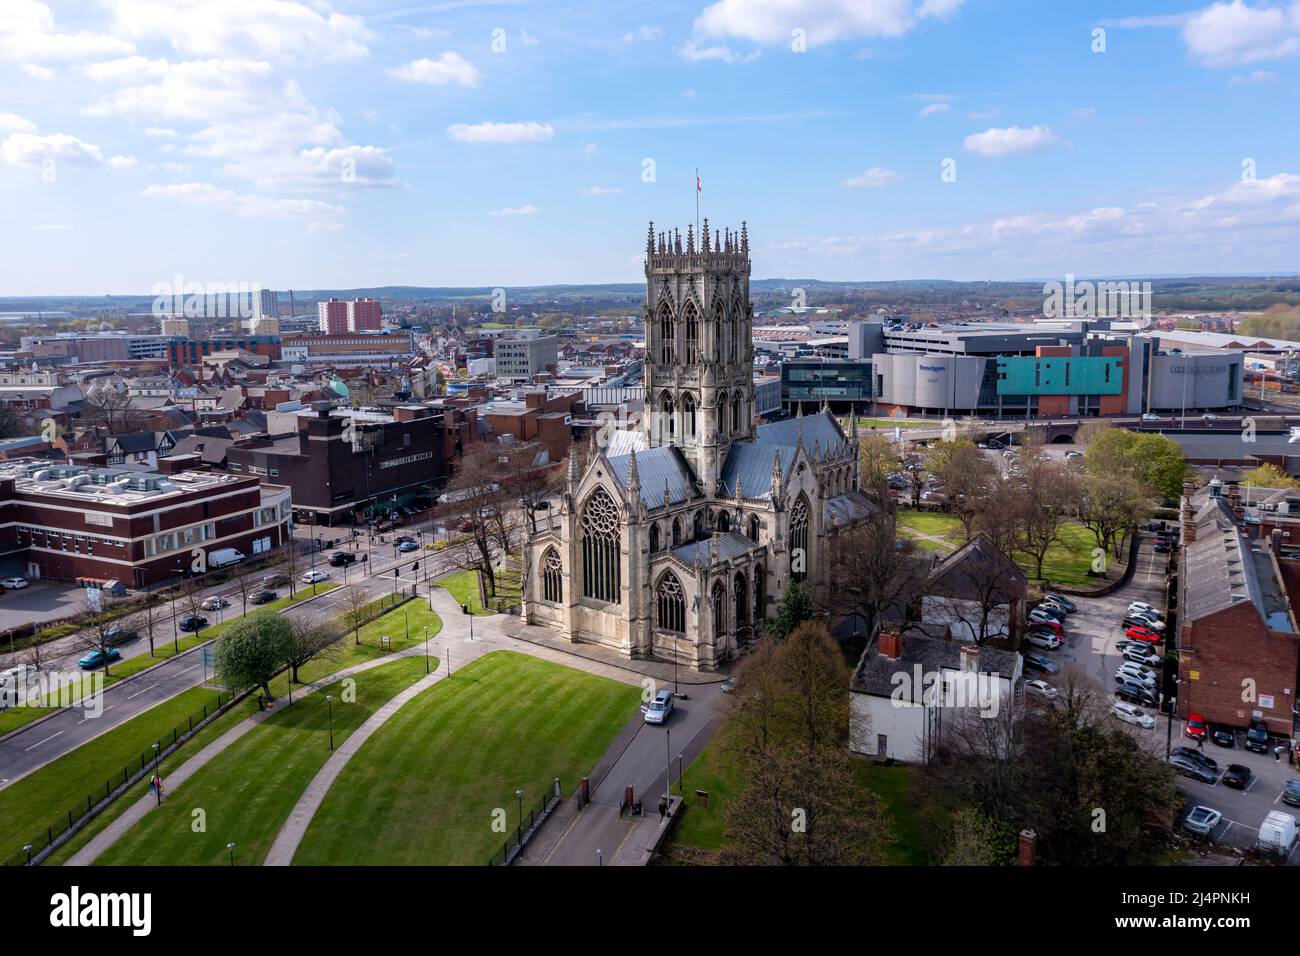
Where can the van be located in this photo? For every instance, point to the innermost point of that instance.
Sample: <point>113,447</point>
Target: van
<point>223,557</point>
<point>1277,833</point>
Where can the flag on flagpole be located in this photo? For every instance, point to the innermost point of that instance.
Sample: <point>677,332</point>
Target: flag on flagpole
<point>698,188</point>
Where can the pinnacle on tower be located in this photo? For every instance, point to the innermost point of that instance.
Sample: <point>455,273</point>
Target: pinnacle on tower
<point>650,239</point>
<point>573,465</point>
<point>744,238</point>
<point>717,240</point>
<point>776,474</point>
<point>667,499</point>
<point>633,478</point>
<point>677,241</point>
<point>690,240</point>
<point>704,235</point>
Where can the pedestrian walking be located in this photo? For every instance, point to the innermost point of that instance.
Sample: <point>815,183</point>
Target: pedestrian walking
<point>1277,754</point>
<point>1200,743</point>
<point>663,809</point>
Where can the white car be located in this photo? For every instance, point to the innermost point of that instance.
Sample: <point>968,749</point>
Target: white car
<point>1136,656</point>
<point>14,584</point>
<point>1048,642</point>
<point>1133,715</point>
<point>1137,670</point>
<point>1131,677</point>
<point>1138,607</point>
<point>214,603</point>
<point>1152,622</point>
<point>658,710</point>
<point>1040,688</point>
<point>1149,417</point>
<point>311,577</point>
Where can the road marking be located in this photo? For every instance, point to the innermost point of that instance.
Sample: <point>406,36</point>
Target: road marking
<point>39,742</point>
<point>190,668</point>
<point>141,691</point>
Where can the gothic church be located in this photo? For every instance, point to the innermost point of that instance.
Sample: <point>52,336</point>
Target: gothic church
<point>680,536</point>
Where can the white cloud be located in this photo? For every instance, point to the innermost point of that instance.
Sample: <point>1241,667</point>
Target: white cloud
<point>32,149</point>
<point>873,177</point>
<point>515,211</point>
<point>243,204</point>
<point>53,227</point>
<point>450,68</point>
<point>194,91</point>
<point>643,34</point>
<point>160,132</point>
<point>12,122</point>
<point>27,33</point>
<point>600,191</point>
<point>590,149</point>
<point>770,22</point>
<point>934,108</point>
<point>530,132</point>
<point>1254,76</point>
<point>276,29</point>
<point>697,53</point>
<point>1011,140</point>
<point>1235,34</point>
<point>42,73</point>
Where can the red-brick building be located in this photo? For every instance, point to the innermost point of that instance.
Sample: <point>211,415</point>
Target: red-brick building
<point>70,523</point>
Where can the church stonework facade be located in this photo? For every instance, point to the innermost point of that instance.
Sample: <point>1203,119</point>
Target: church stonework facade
<point>678,538</point>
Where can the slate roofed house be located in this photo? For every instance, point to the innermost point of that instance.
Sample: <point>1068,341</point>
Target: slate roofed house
<point>136,448</point>
<point>978,593</point>
<point>907,687</point>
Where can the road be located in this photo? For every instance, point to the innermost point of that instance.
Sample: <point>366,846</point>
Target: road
<point>35,745</point>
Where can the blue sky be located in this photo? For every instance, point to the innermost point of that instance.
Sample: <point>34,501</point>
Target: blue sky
<point>374,142</point>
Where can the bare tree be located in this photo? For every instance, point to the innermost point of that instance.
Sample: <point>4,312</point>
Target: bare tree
<point>482,507</point>
<point>1112,506</point>
<point>110,406</point>
<point>149,617</point>
<point>358,597</point>
<point>1049,491</point>
<point>98,631</point>
<point>311,640</point>
<point>876,571</point>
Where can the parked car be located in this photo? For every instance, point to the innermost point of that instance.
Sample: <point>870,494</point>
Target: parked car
<point>1196,727</point>
<point>340,559</point>
<point>1209,763</point>
<point>14,584</point>
<point>98,658</point>
<point>1142,634</point>
<point>1146,658</point>
<point>1190,768</point>
<point>1161,546</point>
<point>1137,607</point>
<point>120,634</point>
<point>277,580</point>
<point>1202,820</point>
<point>1058,610</point>
<point>1037,662</point>
<point>1049,642</point>
<point>262,597</point>
<point>1291,793</point>
<point>1135,694</point>
<point>1044,615</point>
<point>1152,621</point>
<point>1040,688</point>
<point>1063,601</point>
<point>1124,646</point>
<point>728,685</point>
<point>193,622</point>
<point>1136,677</point>
<point>1257,737</point>
<point>1237,776</point>
<point>311,577</point>
<point>215,603</point>
<point>1223,735</point>
<point>1050,624</point>
<point>1132,715</point>
<point>658,710</point>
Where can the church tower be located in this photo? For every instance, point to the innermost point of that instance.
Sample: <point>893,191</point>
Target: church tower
<point>699,388</point>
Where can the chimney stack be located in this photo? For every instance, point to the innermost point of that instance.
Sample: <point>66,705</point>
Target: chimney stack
<point>970,655</point>
<point>891,645</point>
<point>1027,848</point>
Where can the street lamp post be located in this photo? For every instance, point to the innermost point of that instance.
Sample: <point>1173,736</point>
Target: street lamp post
<point>600,857</point>
<point>519,796</point>
<point>158,789</point>
<point>679,776</point>
<point>668,778</point>
<point>426,649</point>
<point>329,701</point>
<point>231,848</point>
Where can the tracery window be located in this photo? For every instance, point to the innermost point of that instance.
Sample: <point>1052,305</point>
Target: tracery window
<point>670,604</point>
<point>552,577</point>
<point>799,540</point>
<point>601,577</point>
<point>667,329</point>
<point>692,356</point>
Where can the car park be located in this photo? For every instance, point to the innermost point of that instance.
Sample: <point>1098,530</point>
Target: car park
<point>1223,735</point>
<point>1190,768</point>
<point>98,658</point>
<point>311,577</point>
<point>1202,820</point>
<point>1237,776</point>
<point>1040,688</point>
<point>262,597</point>
<point>1062,600</point>
<point>1137,674</point>
<point>1047,623</point>
<point>1052,607</point>
<point>1145,658</point>
<point>1197,755</point>
<point>1138,607</point>
<point>215,603</point>
<point>193,622</point>
<point>1131,680</point>
<point>1047,613</point>
<point>1257,737</point>
<point>1153,621</point>
<point>1037,662</point>
<point>658,709</point>
<point>1196,727</point>
<point>1131,714</point>
<point>1291,793</point>
<point>1127,645</point>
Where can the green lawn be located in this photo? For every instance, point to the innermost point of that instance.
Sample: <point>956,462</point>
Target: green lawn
<point>714,770</point>
<point>900,422</point>
<point>937,523</point>
<point>422,790</point>
<point>463,587</point>
<point>1068,559</point>
<point>15,717</point>
<point>43,798</point>
<point>249,789</point>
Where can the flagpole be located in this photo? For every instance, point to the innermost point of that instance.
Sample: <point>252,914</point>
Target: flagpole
<point>697,207</point>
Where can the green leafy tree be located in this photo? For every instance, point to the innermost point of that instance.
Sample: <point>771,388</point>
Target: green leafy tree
<point>1268,476</point>
<point>795,608</point>
<point>1154,460</point>
<point>253,651</point>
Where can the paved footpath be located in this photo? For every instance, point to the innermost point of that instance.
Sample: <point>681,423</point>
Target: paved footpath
<point>453,643</point>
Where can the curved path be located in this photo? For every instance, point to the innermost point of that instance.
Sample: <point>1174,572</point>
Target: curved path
<point>453,645</point>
